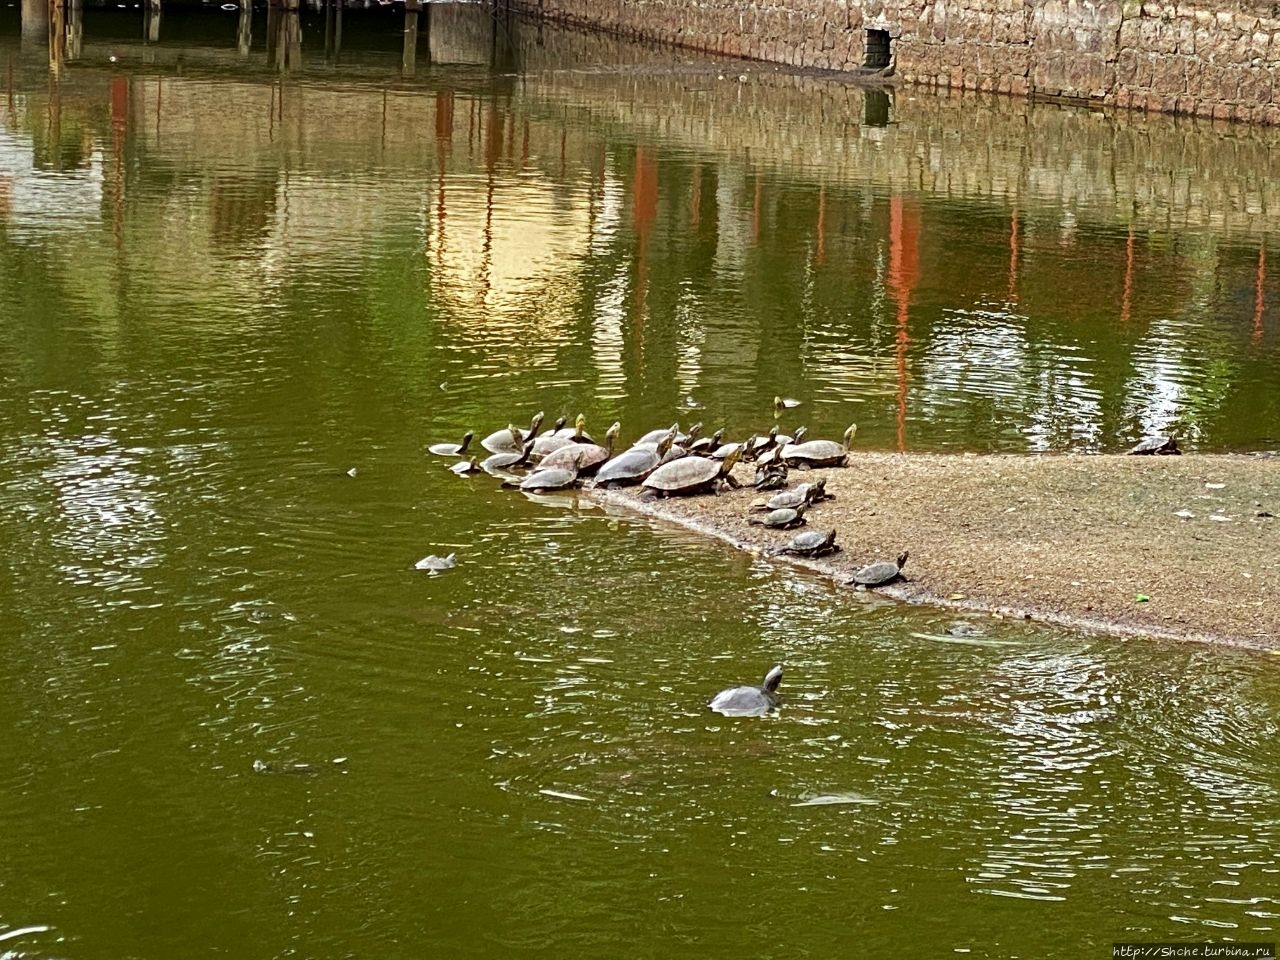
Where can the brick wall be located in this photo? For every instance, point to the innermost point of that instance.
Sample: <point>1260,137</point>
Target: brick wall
<point>1218,61</point>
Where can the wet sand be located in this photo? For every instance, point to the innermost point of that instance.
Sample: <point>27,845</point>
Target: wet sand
<point>1089,541</point>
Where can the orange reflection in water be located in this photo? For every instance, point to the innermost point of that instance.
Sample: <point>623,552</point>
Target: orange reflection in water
<point>904,272</point>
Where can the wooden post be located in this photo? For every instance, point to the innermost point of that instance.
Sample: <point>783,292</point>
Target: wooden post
<point>35,21</point>
<point>151,21</point>
<point>244,29</point>
<point>409,58</point>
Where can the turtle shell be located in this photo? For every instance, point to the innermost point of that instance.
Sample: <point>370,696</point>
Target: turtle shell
<point>812,543</point>
<point>592,456</point>
<point>631,465</point>
<point>687,473</point>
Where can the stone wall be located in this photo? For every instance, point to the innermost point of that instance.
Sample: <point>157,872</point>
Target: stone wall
<point>1220,60</point>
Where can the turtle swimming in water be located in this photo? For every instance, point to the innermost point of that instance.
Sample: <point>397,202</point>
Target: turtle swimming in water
<point>463,467</point>
<point>451,449</point>
<point>810,543</point>
<point>881,573</point>
<point>749,701</point>
<point>1156,446</point>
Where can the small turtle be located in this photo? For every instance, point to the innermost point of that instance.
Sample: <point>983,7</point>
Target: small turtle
<point>505,461</point>
<point>878,574</point>
<point>1156,446</point>
<point>783,518</point>
<point>749,701</point>
<point>436,564</point>
<point>820,453</point>
<point>689,475</point>
<point>772,477</point>
<point>511,440</point>
<point>811,543</point>
<point>575,434</point>
<point>962,628</point>
<point>451,449</point>
<point>707,446</point>
<point>784,403</point>
<point>802,494</point>
<point>463,467</point>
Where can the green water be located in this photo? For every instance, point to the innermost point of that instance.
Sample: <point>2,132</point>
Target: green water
<point>222,289</point>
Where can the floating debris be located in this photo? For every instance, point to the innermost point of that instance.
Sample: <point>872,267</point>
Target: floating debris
<point>562,795</point>
<point>435,564</point>
<point>834,799</point>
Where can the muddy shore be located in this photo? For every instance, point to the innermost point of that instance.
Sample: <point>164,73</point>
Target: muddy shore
<point>1179,547</point>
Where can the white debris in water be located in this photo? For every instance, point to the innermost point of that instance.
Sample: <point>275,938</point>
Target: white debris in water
<point>1219,517</point>
<point>1214,486</point>
<point>562,795</point>
<point>1184,514</point>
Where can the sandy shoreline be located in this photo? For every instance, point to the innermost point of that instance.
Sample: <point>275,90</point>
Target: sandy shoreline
<point>1073,539</point>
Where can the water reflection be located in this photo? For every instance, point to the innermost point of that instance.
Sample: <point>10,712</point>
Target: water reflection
<point>241,302</point>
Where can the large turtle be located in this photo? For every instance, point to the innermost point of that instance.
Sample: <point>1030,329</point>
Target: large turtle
<point>880,573</point>
<point>820,453</point>
<point>632,466</point>
<point>749,701</point>
<point>511,440</point>
<point>1155,446</point>
<point>689,475</point>
<point>557,478</point>
<point>451,449</point>
<point>593,455</point>
<point>811,543</point>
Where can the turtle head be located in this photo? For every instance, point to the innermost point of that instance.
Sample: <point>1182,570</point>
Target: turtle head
<point>536,422</point>
<point>730,461</point>
<point>818,490</point>
<point>611,435</point>
<point>772,679</point>
<point>579,424</point>
<point>527,451</point>
<point>849,435</point>
<point>800,432</point>
<point>773,433</point>
<point>516,436</point>
<point>778,406</point>
<point>902,559</point>
<point>667,440</point>
<point>694,431</point>
<point>717,437</point>
<point>560,422</point>
<point>466,437</point>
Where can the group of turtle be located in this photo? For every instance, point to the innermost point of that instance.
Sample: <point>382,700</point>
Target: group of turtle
<point>668,462</point>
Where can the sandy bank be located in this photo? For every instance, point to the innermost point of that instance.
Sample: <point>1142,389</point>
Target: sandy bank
<point>1075,540</point>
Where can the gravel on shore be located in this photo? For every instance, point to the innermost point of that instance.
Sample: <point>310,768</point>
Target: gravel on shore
<point>1183,547</point>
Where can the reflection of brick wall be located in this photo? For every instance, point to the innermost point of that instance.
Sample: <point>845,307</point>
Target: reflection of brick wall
<point>1220,60</point>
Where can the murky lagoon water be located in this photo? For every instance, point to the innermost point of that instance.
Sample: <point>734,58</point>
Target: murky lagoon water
<point>222,289</point>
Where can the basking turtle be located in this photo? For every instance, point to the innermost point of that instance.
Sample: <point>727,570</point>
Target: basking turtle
<point>756,447</point>
<point>557,478</point>
<point>451,449</point>
<point>511,440</point>
<point>651,438</point>
<point>1156,446</point>
<point>593,455</point>
<point>707,446</point>
<point>689,475</point>
<point>722,451</point>
<point>811,543</point>
<point>575,434</point>
<point>819,453</point>
<point>771,477</point>
<point>463,467</point>
<point>784,518</point>
<point>506,461</point>
<point>802,494</point>
<point>878,574</point>
<point>749,701</point>
<point>632,466</point>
